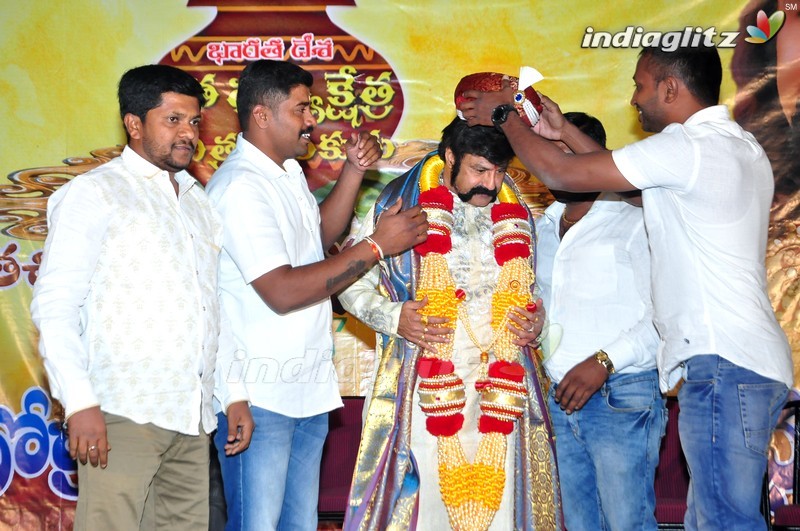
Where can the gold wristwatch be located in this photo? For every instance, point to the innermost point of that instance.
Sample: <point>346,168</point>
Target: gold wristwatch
<point>603,359</point>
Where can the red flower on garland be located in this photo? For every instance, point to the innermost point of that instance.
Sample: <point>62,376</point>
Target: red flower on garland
<point>505,374</point>
<point>428,367</point>
<point>438,235</point>
<point>508,250</point>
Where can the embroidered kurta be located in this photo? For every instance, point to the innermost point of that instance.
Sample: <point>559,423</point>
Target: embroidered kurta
<point>397,486</point>
<point>126,300</point>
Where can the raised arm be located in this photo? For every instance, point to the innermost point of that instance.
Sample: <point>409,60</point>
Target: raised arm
<point>585,171</point>
<point>362,150</point>
<point>288,288</point>
<point>394,318</point>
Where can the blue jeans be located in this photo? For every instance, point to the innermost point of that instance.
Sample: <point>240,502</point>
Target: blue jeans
<point>607,454</point>
<point>274,484</point>
<point>726,421</point>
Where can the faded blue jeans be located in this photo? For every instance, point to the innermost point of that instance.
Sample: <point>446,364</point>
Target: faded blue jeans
<point>607,454</point>
<point>274,484</point>
<point>726,421</point>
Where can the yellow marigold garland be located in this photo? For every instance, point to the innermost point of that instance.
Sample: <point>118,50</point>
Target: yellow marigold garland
<point>472,492</point>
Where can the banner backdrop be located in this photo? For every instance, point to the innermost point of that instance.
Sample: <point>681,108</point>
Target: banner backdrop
<point>384,66</point>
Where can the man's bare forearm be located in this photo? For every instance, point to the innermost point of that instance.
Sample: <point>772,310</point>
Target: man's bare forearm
<point>356,268</point>
<point>286,288</point>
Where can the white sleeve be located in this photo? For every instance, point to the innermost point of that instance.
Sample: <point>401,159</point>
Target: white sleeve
<point>665,160</point>
<point>637,345</point>
<point>77,219</point>
<point>229,386</point>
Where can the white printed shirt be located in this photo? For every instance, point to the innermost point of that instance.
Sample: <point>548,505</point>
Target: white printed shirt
<point>126,300</point>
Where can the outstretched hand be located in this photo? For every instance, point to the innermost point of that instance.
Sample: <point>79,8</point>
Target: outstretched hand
<point>398,230</point>
<point>363,150</point>
<point>422,330</point>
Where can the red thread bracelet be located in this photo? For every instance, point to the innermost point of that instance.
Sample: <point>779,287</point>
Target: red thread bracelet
<point>376,249</point>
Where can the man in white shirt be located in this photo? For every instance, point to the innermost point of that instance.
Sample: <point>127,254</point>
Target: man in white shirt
<point>706,188</point>
<point>593,274</point>
<point>128,311</point>
<point>277,283</point>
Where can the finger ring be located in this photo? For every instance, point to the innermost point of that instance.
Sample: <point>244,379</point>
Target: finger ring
<point>424,320</point>
<point>423,337</point>
<point>424,329</point>
<point>531,328</point>
<point>92,448</point>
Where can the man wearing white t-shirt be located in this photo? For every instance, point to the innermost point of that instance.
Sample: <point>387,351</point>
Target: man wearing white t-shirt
<point>276,284</point>
<point>706,189</point>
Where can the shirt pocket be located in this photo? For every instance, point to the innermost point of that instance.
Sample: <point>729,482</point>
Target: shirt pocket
<point>592,271</point>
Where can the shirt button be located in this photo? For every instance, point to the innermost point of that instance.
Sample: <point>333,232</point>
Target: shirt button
<point>204,308</point>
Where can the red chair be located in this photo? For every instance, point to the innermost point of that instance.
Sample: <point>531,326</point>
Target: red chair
<point>672,475</point>
<point>339,459</point>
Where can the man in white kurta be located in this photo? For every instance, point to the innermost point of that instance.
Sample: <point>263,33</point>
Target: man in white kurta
<point>473,184</point>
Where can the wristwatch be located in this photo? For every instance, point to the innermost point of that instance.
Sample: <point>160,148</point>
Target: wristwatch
<point>603,359</point>
<point>500,114</point>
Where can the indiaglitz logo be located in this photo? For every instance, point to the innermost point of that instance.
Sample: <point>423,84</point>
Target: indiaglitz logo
<point>669,41</point>
<point>689,37</point>
<point>765,28</point>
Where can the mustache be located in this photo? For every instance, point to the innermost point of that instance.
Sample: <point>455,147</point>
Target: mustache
<point>478,190</point>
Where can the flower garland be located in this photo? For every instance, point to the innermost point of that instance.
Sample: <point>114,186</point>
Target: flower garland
<point>472,492</point>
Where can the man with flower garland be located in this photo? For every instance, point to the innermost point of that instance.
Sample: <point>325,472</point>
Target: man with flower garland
<point>456,426</point>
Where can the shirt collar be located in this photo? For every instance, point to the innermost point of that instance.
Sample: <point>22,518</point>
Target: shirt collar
<point>269,167</point>
<point>605,202</point>
<point>139,166</point>
<point>554,211</point>
<point>715,113</point>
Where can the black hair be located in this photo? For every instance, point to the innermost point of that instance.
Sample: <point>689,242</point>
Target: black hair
<point>592,127</point>
<point>758,109</point>
<point>267,82</point>
<point>478,140</point>
<point>589,125</point>
<point>141,89</point>
<point>699,68</point>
